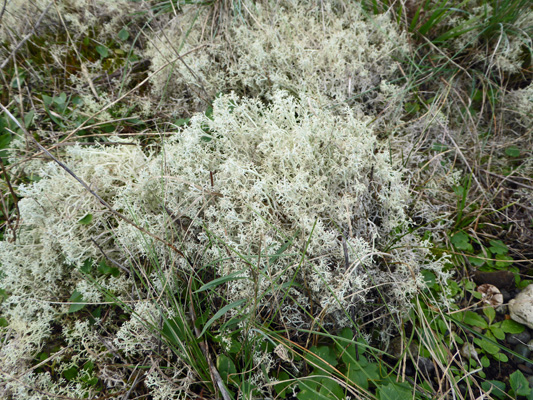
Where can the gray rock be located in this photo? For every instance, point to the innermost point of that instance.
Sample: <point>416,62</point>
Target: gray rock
<point>523,350</point>
<point>517,338</point>
<point>521,307</point>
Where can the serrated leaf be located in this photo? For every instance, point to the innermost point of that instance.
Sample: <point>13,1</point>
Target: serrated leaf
<point>519,383</point>
<point>76,297</point>
<point>86,220</point>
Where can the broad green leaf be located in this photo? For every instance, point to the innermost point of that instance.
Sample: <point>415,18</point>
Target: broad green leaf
<point>281,387</point>
<point>486,344</point>
<point>309,388</point>
<point>71,373</point>
<point>498,247</point>
<point>28,118</point>
<point>498,388</point>
<point>512,151</point>
<point>227,369</point>
<point>103,51</point>
<point>61,99</point>
<point>490,313</point>
<point>123,34</point>
<point>502,357</point>
<point>473,319</point>
<point>3,322</point>
<point>485,361</point>
<point>510,326</point>
<point>497,332</point>
<point>519,383</point>
<point>75,298</point>
<point>221,312</point>
<point>322,357</point>
<point>358,377</point>
<point>86,220</point>
<point>461,241</point>
<point>395,391</point>
<point>331,389</point>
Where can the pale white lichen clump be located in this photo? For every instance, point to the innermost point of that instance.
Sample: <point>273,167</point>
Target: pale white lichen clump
<point>330,51</point>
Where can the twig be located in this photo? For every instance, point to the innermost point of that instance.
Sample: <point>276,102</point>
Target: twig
<point>19,45</point>
<point>15,202</point>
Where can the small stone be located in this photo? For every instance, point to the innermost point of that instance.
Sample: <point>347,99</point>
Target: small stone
<point>526,369</point>
<point>517,338</point>
<point>523,350</point>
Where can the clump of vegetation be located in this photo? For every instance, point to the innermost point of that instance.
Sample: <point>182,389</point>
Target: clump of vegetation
<point>289,199</point>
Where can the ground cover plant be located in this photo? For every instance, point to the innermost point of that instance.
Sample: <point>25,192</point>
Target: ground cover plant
<point>291,200</point>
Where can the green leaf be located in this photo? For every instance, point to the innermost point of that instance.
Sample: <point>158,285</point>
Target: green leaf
<point>490,313</point>
<point>395,391</point>
<point>3,322</point>
<point>485,362</point>
<point>498,247</point>
<point>512,151</point>
<point>123,34</point>
<point>497,332</point>
<point>75,298</point>
<point>86,220</point>
<point>219,281</point>
<point>282,386</point>
<point>473,319</point>
<point>61,99</point>
<point>331,389</point>
<point>496,388</point>
<point>486,344</point>
<point>439,147</point>
<point>227,369</point>
<point>429,278</point>
<point>221,312</point>
<point>510,326</point>
<point>503,261</point>
<point>105,269</point>
<point>519,383</point>
<point>502,357</point>
<point>28,118</point>
<point>309,389</point>
<point>103,51</point>
<point>322,358</point>
<point>70,373</point>
<point>461,241</point>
